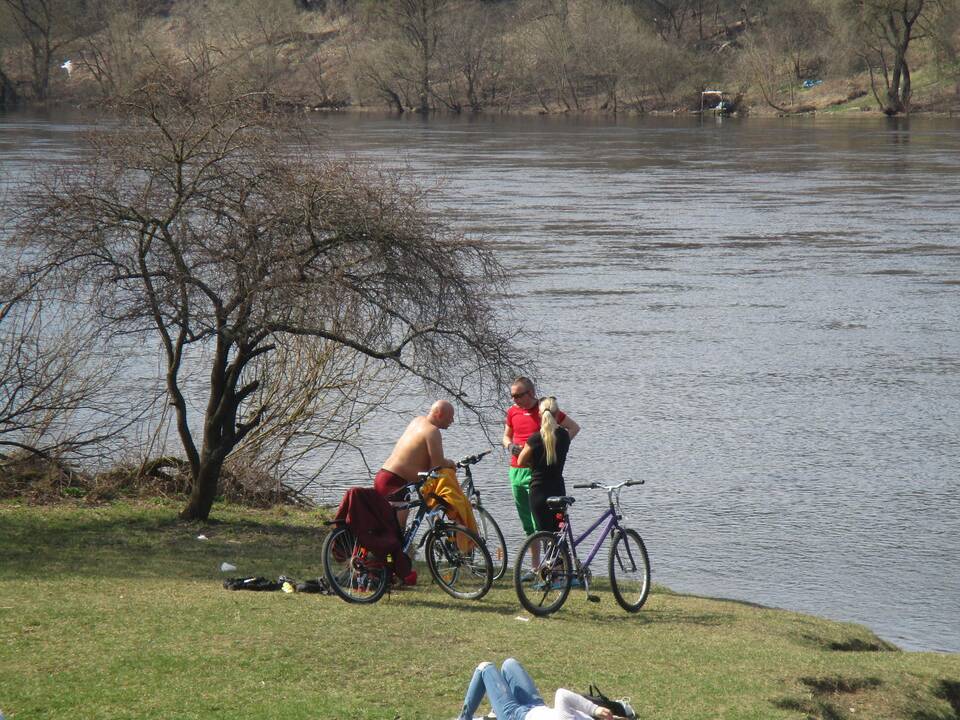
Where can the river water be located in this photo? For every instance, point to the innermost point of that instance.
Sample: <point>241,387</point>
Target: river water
<point>758,317</point>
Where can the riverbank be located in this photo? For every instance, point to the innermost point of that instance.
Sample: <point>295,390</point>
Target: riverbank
<point>846,97</point>
<point>118,611</point>
<point>511,58</point>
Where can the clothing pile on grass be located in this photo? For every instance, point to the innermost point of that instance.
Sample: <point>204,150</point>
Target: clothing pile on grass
<point>284,583</point>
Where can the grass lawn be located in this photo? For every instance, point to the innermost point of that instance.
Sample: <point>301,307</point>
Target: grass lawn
<point>118,612</point>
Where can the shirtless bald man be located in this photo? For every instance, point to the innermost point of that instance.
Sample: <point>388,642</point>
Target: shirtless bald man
<point>419,449</point>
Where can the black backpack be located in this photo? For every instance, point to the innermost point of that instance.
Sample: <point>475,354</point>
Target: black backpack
<point>251,583</point>
<point>617,707</point>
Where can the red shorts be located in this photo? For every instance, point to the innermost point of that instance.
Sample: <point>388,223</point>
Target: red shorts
<point>388,483</point>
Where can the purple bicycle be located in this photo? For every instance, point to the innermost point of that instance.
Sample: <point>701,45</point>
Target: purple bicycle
<point>548,563</point>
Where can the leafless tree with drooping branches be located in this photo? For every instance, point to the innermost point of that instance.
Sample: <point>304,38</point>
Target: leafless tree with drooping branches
<point>316,394</point>
<point>200,221</point>
<point>58,386</point>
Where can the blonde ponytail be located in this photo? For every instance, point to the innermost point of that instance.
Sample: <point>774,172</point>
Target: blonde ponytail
<point>548,428</point>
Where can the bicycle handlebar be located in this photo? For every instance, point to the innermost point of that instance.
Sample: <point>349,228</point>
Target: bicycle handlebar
<point>598,486</point>
<point>472,459</point>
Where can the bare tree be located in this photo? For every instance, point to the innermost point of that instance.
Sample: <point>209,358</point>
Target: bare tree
<point>253,38</point>
<point>884,31</point>
<point>317,394</point>
<point>45,26</point>
<point>611,45</point>
<point>946,44</point>
<point>199,223</point>
<point>668,16</point>
<point>8,89</point>
<point>800,30</point>
<point>550,57</point>
<point>420,23</point>
<point>471,56</point>
<point>57,385</point>
<point>765,65</point>
<point>118,44</point>
<point>379,65</point>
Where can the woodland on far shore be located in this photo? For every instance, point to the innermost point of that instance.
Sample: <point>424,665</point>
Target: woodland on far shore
<point>515,56</point>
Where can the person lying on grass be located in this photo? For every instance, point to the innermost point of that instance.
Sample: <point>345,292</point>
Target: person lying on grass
<point>514,696</point>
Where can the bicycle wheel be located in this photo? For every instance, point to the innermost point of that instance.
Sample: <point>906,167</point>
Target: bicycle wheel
<point>459,561</point>
<point>629,570</point>
<point>489,531</point>
<point>542,573</point>
<point>353,572</point>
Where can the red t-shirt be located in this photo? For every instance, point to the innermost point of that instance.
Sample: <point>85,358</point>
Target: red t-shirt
<point>525,423</point>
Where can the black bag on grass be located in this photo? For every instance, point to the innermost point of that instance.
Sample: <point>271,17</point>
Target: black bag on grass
<point>617,707</point>
<point>319,586</point>
<point>251,583</point>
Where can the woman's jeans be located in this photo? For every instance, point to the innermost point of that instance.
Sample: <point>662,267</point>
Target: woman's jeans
<point>511,691</point>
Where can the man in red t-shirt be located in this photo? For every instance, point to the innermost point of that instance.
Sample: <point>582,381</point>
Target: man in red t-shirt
<point>523,419</point>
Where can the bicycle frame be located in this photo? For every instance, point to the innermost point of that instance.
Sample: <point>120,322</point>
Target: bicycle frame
<point>431,516</point>
<point>611,519</point>
<point>468,487</point>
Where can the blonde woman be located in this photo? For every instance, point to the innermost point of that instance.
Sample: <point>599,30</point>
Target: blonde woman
<point>545,453</point>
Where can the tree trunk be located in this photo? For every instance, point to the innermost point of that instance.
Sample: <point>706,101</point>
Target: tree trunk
<point>41,53</point>
<point>8,92</point>
<point>472,99</point>
<point>219,431</point>
<point>204,491</point>
<point>898,86</point>
<point>394,100</point>
<point>573,89</point>
<point>424,105</point>
<point>899,91</point>
<point>425,52</point>
<point>894,97</point>
<point>907,89</point>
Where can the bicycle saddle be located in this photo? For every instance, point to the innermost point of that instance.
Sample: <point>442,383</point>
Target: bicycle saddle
<point>559,502</point>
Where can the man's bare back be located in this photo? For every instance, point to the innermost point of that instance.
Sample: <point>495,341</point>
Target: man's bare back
<point>420,448</point>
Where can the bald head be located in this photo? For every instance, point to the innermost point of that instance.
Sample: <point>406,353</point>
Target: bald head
<point>441,414</point>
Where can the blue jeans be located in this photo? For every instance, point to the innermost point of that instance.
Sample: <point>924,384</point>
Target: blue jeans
<point>511,691</point>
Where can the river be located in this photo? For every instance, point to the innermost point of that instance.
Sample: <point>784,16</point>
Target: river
<point>758,317</point>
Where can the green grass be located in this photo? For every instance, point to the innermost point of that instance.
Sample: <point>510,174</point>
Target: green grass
<point>118,612</point>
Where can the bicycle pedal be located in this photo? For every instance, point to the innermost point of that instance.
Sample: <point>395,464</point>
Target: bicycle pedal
<point>593,598</point>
